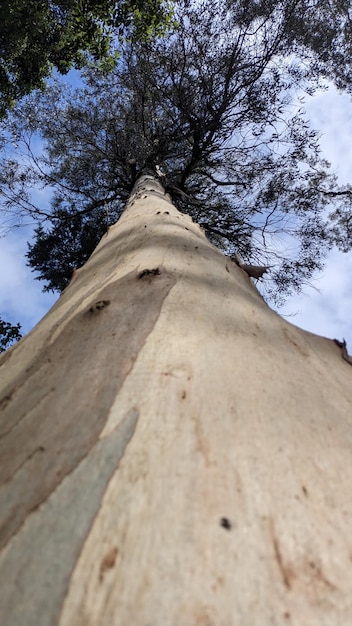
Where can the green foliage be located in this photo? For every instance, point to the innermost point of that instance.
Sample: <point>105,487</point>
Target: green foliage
<point>214,106</point>
<point>317,32</point>
<point>37,35</point>
<point>57,252</point>
<point>9,334</point>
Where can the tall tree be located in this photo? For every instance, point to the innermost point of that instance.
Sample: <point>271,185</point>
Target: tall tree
<point>38,35</point>
<point>213,109</point>
<point>172,451</point>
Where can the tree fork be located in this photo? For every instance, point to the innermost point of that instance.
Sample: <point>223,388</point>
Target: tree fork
<point>172,451</point>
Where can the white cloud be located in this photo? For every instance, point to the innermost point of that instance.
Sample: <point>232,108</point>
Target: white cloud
<point>324,308</point>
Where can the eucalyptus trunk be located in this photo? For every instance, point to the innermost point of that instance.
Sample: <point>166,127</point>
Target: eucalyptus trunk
<point>173,452</point>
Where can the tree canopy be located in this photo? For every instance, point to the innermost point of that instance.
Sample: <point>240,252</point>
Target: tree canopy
<point>214,108</point>
<point>37,35</point>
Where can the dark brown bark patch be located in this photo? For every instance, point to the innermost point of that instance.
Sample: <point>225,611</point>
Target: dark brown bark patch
<point>108,562</point>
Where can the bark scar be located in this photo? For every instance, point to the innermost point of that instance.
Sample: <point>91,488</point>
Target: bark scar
<point>108,562</point>
<point>97,306</point>
<point>285,571</point>
<point>147,272</point>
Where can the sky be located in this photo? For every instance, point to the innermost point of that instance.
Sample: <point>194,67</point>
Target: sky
<point>323,307</point>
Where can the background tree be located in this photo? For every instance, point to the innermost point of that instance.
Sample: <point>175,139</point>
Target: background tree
<point>68,244</point>
<point>37,36</point>
<point>213,108</point>
<point>9,334</point>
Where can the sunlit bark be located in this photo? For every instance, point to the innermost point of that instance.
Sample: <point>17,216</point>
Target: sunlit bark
<point>172,451</point>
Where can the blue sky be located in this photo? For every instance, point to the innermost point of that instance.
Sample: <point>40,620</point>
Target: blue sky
<point>323,308</point>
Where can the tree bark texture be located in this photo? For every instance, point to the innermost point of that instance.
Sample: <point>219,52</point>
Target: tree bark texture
<point>173,453</point>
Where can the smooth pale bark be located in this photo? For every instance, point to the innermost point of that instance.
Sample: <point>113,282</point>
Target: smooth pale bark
<point>173,453</point>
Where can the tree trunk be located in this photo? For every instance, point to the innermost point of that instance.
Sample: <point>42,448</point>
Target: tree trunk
<point>173,453</point>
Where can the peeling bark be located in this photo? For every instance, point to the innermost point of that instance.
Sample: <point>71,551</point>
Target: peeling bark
<point>172,451</point>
